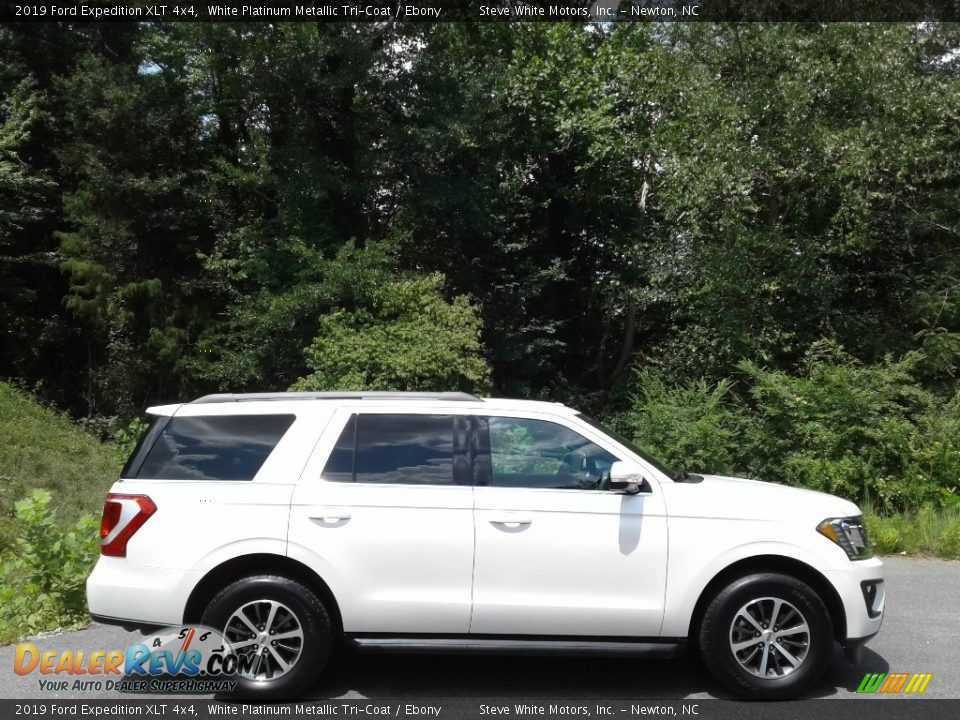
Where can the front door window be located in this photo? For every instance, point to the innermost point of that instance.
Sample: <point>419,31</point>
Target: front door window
<point>527,453</point>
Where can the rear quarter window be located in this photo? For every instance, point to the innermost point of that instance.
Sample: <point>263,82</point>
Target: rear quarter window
<point>216,447</point>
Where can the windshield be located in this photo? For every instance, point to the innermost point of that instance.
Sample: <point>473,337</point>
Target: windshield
<point>630,446</point>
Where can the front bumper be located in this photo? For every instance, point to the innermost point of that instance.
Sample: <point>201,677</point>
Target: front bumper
<point>861,590</point>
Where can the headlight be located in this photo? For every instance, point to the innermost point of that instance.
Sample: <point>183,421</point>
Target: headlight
<point>849,533</point>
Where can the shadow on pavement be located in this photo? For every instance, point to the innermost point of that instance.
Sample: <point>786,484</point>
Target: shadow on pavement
<point>424,676</point>
<point>844,675</point>
<point>384,676</point>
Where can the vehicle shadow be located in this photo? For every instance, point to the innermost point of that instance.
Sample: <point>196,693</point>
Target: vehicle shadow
<point>425,676</point>
<point>845,677</point>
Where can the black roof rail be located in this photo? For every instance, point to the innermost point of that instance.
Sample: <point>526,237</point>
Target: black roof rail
<point>336,395</point>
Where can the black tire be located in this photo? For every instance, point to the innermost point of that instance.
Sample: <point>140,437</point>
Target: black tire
<point>309,612</point>
<point>723,624</point>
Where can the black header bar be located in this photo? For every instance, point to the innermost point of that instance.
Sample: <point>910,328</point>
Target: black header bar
<point>392,11</point>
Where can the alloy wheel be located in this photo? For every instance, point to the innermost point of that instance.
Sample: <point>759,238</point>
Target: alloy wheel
<point>769,637</point>
<point>270,632</point>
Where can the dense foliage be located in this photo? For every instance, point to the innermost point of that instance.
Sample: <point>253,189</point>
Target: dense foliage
<point>741,243</point>
<point>867,432</point>
<point>43,579</point>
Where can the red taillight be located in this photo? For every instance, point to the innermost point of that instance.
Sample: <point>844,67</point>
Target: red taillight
<point>122,516</point>
<point>111,516</point>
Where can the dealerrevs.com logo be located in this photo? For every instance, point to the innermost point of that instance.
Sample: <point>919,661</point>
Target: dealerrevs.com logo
<point>187,659</point>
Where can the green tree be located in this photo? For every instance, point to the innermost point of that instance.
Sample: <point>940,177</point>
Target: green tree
<point>38,340</point>
<point>402,335</point>
<point>611,197</point>
<point>25,193</point>
<point>505,177</point>
<point>135,221</point>
<point>295,110</point>
<point>806,178</point>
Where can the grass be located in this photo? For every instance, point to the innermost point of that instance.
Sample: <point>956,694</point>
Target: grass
<point>929,531</point>
<point>41,448</point>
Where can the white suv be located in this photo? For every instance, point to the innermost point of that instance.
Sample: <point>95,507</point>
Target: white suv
<point>446,522</point>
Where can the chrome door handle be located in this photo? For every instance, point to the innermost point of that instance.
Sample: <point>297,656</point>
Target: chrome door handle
<point>332,515</point>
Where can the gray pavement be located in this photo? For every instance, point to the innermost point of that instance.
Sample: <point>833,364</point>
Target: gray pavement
<point>921,633</point>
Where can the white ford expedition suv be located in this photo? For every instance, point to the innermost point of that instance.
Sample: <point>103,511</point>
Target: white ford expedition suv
<point>446,522</point>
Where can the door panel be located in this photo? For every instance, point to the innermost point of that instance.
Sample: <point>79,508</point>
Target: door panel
<point>556,558</point>
<point>396,550</point>
<point>568,562</point>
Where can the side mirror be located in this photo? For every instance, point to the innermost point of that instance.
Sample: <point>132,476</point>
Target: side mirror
<point>627,478</point>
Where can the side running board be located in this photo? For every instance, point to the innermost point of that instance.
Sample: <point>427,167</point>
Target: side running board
<point>641,647</point>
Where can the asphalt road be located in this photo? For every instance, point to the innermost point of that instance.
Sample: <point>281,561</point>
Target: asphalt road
<point>921,633</point>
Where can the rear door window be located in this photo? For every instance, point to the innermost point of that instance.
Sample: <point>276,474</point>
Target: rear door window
<point>405,449</point>
<point>400,449</point>
<point>216,447</point>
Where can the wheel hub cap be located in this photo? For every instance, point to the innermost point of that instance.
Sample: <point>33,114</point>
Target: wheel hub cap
<point>769,637</point>
<point>268,631</point>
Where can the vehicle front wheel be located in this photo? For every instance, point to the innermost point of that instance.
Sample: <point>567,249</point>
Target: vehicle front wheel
<point>280,626</point>
<point>766,636</point>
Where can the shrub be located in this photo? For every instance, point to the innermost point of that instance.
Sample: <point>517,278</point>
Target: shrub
<point>693,426</point>
<point>949,540</point>
<point>883,534</point>
<point>870,433</point>
<point>43,576</point>
<point>842,427</point>
<point>404,336</point>
<point>126,439</point>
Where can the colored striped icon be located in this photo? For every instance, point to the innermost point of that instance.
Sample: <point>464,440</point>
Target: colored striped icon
<point>891,683</point>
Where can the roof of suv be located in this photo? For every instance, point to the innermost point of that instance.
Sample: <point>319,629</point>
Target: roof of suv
<point>336,395</point>
<point>380,398</point>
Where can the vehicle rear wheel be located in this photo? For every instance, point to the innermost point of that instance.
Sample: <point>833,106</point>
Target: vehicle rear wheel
<point>766,636</point>
<point>280,627</point>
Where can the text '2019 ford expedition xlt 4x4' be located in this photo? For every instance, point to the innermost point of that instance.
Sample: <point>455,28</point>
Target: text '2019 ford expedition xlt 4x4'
<point>440,521</point>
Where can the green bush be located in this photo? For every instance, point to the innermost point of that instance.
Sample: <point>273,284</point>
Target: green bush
<point>884,534</point>
<point>845,428</point>
<point>126,439</point>
<point>42,577</point>
<point>694,426</point>
<point>949,539</point>
<point>403,336</point>
<point>870,433</point>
